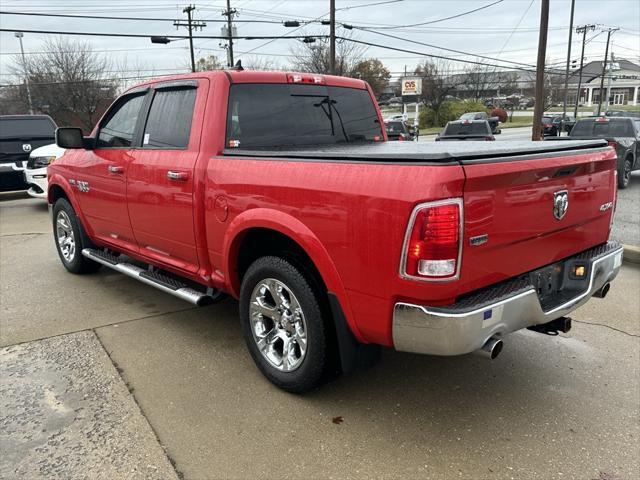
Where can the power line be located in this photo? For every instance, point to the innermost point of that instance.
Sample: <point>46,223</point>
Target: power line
<point>446,18</point>
<point>430,55</point>
<point>450,49</point>
<point>142,35</point>
<point>137,19</point>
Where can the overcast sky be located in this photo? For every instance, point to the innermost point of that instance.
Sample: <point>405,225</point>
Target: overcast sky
<point>507,30</point>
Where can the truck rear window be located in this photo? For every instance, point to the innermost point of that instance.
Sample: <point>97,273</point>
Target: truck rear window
<point>26,127</point>
<point>603,129</point>
<point>273,115</point>
<point>477,128</point>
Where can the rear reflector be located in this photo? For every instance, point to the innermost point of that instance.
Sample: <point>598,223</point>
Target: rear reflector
<point>432,241</point>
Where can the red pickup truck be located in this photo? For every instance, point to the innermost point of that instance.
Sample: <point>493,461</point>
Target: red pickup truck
<point>281,190</point>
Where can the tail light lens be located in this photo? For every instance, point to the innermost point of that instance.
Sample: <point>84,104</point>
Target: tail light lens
<point>490,138</point>
<point>613,143</point>
<point>432,241</point>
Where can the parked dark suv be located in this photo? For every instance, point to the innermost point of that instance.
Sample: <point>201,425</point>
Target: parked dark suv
<point>19,135</point>
<point>622,133</point>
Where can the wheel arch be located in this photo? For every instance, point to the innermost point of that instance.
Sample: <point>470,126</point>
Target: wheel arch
<point>261,230</point>
<point>58,188</point>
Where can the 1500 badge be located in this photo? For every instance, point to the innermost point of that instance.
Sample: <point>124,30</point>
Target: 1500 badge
<point>606,206</point>
<point>80,185</point>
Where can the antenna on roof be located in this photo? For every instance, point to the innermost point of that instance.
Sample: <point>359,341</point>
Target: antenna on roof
<point>238,66</point>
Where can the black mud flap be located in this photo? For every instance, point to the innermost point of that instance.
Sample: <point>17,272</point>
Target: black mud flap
<point>353,354</point>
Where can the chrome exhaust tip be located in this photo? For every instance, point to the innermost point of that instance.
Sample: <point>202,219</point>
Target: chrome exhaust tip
<point>603,291</point>
<point>491,349</point>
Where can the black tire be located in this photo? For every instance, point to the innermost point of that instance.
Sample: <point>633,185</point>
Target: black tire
<point>315,366</point>
<point>76,263</point>
<point>624,173</point>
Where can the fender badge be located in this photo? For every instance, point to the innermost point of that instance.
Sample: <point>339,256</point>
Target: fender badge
<point>479,240</point>
<point>606,206</point>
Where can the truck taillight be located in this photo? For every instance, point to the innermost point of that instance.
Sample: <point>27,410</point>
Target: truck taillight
<point>432,242</point>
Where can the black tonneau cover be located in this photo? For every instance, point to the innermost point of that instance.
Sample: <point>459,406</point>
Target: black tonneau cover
<point>418,152</point>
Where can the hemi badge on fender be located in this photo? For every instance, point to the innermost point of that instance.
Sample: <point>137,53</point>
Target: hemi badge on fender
<point>606,206</point>
<point>479,240</point>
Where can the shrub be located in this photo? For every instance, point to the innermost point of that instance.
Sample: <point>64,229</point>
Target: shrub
<point>501,113</point>
<point>448,111</point>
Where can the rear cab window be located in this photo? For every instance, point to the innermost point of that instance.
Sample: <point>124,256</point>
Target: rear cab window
<point>27,127</point>
<point>169,121</point>
<point>273,115</point>
<point>608,127</point>
<point>471,128</point>
<point>395,127</point>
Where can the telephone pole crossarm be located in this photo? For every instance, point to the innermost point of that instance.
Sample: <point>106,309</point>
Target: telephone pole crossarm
<point>191,25</point>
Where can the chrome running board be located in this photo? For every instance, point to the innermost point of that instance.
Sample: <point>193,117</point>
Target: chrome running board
<point>153,278</point>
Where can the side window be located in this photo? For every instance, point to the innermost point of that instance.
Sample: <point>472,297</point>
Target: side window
<point>119,129</point>
<point>169,122</point>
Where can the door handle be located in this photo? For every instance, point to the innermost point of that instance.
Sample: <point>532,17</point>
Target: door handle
<point>116,169</point>
<point>181,176</point>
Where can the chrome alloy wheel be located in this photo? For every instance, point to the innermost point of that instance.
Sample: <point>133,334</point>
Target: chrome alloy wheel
<point>65,236</point>
<point>278,324</point>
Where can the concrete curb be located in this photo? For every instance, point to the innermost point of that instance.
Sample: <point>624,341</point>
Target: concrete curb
<point>631,254</point>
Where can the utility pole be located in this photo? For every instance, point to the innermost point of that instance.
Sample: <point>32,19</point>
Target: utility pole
<point>566,73</point>
<point>542,52</point>
<point>19,36</point>
<point>583,30</point>
<point>191,26</point>
<point>604,68</point>
<point>229,13</point>
<point>332,37</point>
<point>608,90</point>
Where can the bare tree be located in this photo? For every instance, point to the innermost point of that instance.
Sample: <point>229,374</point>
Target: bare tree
<point>68,81</point>
<point>479,80</point>
<point>314,57</point>
<point>254,62</point>
<point>210,62</point>
<point>438,84</point>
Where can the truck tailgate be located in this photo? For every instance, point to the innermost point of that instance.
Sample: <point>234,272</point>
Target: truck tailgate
<point>523,213</point>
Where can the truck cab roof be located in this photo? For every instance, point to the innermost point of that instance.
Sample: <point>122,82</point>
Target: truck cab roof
<point>259,76</point>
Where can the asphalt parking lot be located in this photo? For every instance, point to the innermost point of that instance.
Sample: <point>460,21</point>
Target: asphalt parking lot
<point>103,377</point>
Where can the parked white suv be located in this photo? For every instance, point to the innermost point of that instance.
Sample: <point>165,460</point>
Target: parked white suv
<point>35,173</point>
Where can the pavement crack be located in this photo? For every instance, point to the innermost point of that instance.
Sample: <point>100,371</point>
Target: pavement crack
<point>121,322</point>
<point>120,371</point>
<point>22,234</point>
<point>607,326</point>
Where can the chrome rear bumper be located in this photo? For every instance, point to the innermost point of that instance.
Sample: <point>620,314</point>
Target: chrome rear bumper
<point>498,310</point>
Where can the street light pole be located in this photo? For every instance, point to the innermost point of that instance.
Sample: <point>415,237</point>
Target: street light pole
<point>542,50</point>
<point>19,36</point>
<point>566,73</point>
<point>332,37</point>
<point>583,30</point>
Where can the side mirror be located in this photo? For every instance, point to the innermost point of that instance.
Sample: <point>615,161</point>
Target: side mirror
<point>71,137</point>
